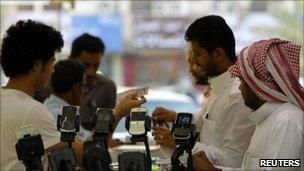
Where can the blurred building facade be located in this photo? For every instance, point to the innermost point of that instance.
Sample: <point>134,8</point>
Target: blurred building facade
<point>145,39</point>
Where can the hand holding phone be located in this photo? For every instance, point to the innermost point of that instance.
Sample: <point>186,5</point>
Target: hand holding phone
<point>160,123</point>
<point>141,92</point>
<point>138,91</point>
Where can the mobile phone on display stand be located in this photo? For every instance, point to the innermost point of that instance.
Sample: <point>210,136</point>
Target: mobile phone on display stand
<point>137,121</point>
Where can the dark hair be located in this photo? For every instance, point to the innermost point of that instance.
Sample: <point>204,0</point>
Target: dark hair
<point>24,43</point>
<point>88,43</point>
<point>67,73</point>
<point>212,32</point>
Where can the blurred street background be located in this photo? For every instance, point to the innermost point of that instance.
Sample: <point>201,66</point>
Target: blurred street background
<point>144,40</point>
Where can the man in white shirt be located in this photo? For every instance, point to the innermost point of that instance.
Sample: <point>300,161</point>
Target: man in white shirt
<point>224,126</point>
<point>27,55</point>
<point>269,72</point>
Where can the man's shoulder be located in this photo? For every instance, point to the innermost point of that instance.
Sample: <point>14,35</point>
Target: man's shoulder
<point>53,105</point>
<point>235,99</point>
<point>234,87</point>
<point>16,104</point>
<point>233,92</point>
<point>39,107</point>
<point>101,79</point>
<point>289,112</point>
<point>12,97</point>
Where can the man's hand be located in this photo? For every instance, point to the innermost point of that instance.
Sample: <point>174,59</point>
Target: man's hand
<point>162,114</point>
<point>113,142</point>
<point>127,103</point>
<point>201,162</point>
<point>163,137</point>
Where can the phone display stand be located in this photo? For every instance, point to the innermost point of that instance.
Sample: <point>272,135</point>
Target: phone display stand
<point>185,145</point>
<point>65,135</point>
<point>132,161</point>
<point>97,156</point>
<point>138,138</point>
<point>100,143</point>
<point>30,149</point>
<point>64,158</point>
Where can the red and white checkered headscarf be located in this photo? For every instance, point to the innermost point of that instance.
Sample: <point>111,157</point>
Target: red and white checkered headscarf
<point>271,69</point>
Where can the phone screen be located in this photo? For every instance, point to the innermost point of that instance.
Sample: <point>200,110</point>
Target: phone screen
<point>138,116</point>
<point>104,115</point>
<point>103,120</point>
<point>184,120</point>
<point>69,116</point>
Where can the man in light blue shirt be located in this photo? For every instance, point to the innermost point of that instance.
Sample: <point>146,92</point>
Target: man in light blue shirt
<point>68,83</point>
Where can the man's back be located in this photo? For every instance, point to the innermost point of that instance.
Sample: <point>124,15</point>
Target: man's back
<point>28,111</point>
<point>278,134</point>
<point>101,93</point>
<point>54,104</point>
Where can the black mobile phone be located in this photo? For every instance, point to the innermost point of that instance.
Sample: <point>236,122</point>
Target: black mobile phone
<point>104,120</point>
<point>182,126</point>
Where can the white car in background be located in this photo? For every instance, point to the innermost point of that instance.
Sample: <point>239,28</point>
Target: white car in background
<point>155,98</point>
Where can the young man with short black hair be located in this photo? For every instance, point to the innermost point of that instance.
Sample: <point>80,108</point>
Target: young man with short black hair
<point>224,126</point>
<point>67,82</point>
<point>100,90</point>
<point>27,56</point>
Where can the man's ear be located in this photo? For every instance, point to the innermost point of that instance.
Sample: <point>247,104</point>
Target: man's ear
<point>219,54</point>
<point>38,65</point>
<point>74,89</point>
<point>73,92</point>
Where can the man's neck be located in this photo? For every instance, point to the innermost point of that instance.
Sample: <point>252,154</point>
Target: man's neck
<point>222,67</point>
<point>66,97</point>
<point>23,84</point>
<point>258,103</point>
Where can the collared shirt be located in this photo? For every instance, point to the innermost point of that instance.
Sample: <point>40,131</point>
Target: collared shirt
<point>54,105</point>
<point>224,125</point>
<point>278,135</point>
<point>19,109</point>
<point>101,93</point>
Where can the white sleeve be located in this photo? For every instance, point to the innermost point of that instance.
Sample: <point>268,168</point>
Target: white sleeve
<point>45,124</point>
<point>236,130</point>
